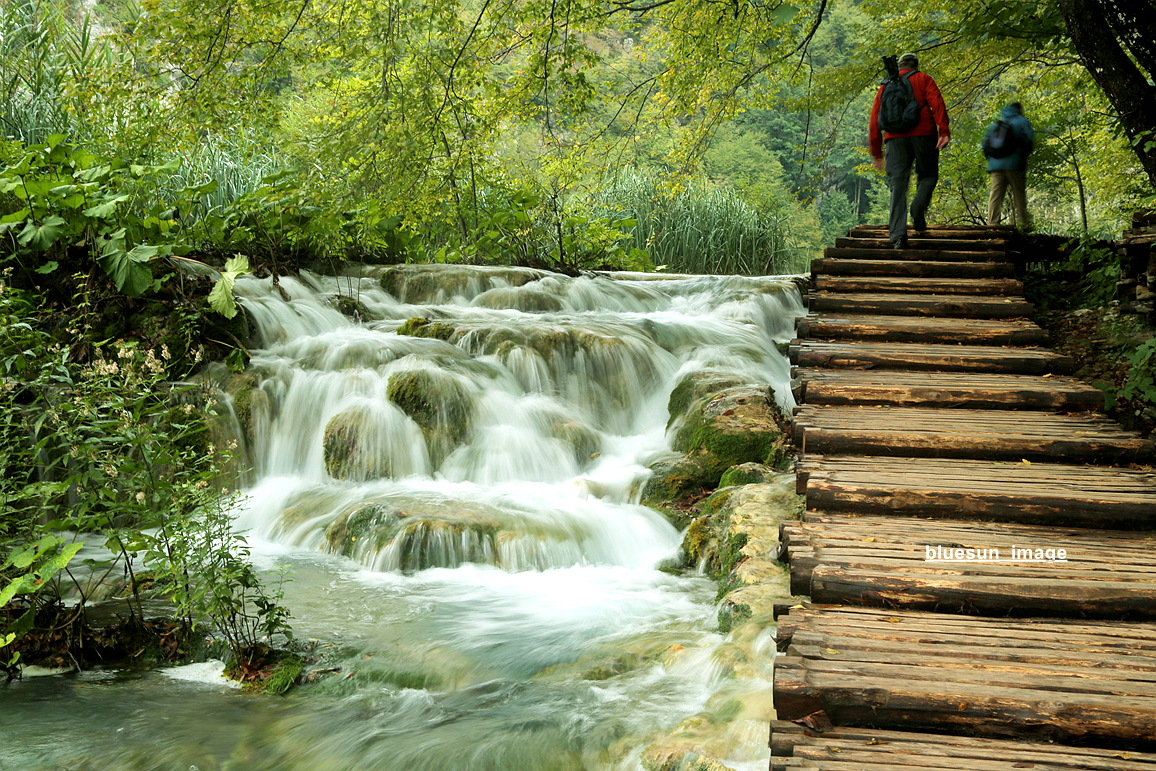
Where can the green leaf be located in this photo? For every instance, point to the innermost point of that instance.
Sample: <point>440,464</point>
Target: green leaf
<point>130,273</point>
<point>106,209</point>
<point>221,298</point>
<point>48,267</point>
<point>41,237</point>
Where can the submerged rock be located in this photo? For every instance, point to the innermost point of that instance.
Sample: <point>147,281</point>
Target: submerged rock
<point>367,442</point>
<point>526,299</point>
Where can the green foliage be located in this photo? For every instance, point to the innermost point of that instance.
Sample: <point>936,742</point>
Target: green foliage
<point>110,450</point>
<point>1140,383</point>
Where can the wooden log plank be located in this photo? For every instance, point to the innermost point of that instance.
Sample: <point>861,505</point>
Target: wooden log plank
<point>1002,287</point>
<point>953,244</point>
<point>930,253</point>
<point>990,595</point>
<point>989,434</point>
<point>786,736</point>
<point>917,329</point>
<point>947,389</point>
<point>986,709</point>
<point>898,304</point>
<point>940,231</point>
<point>920,627</point>
<point>834,266</point>
<point>929,356</point>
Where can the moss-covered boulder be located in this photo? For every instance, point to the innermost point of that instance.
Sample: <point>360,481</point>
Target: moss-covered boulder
<point>738,425</point>
<point>349,306</point>
<point>423,327</point>
<point>687,396</point>
<point>673,481</point>
<point>424,536</point>
<point>748,474</point>
<point>528,299</point>
<point>438,402</point>
<point>358,446</point>
<point>438,283</point>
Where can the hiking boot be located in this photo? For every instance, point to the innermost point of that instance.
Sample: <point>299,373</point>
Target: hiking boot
<point>919,221</point>
<point>899,243</point>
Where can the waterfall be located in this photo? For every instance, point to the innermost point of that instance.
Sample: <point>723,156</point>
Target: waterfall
<point>498,416</point>
<point>448,460</point>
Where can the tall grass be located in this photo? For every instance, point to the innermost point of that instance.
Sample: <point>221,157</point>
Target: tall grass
<point>704,229</point>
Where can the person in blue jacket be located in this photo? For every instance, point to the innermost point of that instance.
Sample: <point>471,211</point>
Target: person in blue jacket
<point>1010,171</point>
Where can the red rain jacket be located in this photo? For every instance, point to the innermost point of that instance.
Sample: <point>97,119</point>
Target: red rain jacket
<point>928,96</point>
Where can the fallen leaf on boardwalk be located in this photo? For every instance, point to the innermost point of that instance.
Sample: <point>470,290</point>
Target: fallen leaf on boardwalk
<point>797,607</point>
<point>817,721</point>
<point>834,749</point>
<point>1123,755</point>
<point>962,706</point>
<point>1027,462</point>
<point>869,539</point>
<point>893,619</point>
<point>873,742</point>
<point>831,652</point>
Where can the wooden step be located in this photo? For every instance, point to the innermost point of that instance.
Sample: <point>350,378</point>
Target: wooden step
<point>845,748</point>
<point>917,242</point>
<point>897,304</point>
<point>984,568</point>
<point>841,267</point>
<point>960,433</point>
<point>1001,287</point>
<point>929,356</point>
<point>917,329</point>
<point>939,231</point>
<point>1043,680</point>
<point>931,254</point>
<point>971,390</point>
<point>951,488</point>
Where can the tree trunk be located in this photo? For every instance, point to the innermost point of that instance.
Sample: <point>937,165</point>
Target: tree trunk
<point>1134,99</point>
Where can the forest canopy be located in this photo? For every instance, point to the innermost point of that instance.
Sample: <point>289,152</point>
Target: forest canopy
<point>542,131</point>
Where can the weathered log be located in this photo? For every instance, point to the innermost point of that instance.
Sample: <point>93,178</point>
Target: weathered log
<point>930,356</point>
<point>920,305</point>
<point>930,254</point>
<point>911,329</point>
<point>843,267</point>
<point>971,390</point>
<point>1002,287</point>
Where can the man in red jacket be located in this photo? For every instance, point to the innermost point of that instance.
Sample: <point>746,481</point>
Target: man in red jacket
<point>919,147</point>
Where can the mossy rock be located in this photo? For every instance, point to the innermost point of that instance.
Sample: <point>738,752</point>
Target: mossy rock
<point>351,452</point>
<point>423,327</point>
<point>672,480</point>
<point>748,474</point>
<point>418,536</point>
<point>527,299</point>
<point>438,403</point>
<point>349,306</point>
<point>738,425</point>
<point>437,283</point>
<point>585,442</point>
<point>692,389</point>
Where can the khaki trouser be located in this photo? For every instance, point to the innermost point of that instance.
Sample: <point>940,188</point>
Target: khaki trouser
<point>1000,182</point>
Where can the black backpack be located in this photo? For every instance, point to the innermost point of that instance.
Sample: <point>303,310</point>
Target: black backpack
<point>1000,141</point>
<point>898,108</point>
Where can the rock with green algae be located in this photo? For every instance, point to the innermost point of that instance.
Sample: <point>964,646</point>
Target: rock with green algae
<point>692,389</point>
<point>349,306</point>
<point>419,326</point>
<point>438,402</point>
<point>352,452</point>
<point>674,480</point>
<point>527,298</point>
<point>425,536</point>
<point>738,425</point>
<point>437,283</point>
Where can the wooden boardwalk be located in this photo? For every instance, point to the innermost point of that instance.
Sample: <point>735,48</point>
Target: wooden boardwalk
<point>980,557</point>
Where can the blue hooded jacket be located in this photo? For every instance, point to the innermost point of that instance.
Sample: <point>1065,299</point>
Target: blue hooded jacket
<point>1025,136</point>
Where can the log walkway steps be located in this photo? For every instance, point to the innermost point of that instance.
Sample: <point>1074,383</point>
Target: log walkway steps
<point>980,560</point>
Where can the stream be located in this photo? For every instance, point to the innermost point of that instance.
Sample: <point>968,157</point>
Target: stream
<point>457,509</point>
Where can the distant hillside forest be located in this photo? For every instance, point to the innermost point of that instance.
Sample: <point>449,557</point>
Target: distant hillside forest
<point>684,135</point>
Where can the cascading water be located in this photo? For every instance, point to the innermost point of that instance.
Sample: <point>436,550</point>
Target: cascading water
<point>452,475</point>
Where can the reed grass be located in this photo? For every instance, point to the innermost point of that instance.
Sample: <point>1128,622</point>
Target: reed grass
<point>704,229</point>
